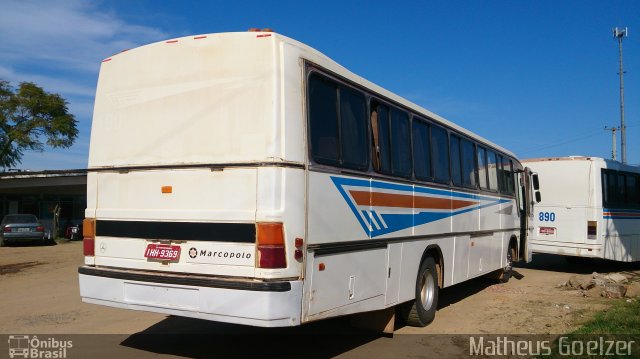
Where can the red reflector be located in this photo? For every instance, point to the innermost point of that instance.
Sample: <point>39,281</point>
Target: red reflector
<point>88,246</point>
<point>264,35</point>
<point>298,254</point>
<point>171,41</point>
<point>105,60</point>
<point>199,37</point>
<point>271,257</point>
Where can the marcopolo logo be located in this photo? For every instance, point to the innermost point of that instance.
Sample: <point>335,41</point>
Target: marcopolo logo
<point>25,346</point>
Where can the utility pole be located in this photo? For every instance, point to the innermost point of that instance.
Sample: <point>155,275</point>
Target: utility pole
<point>613,140</point>
<point>620,34</point>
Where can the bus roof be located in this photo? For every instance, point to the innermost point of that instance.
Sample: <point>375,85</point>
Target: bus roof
<point>325,61</point>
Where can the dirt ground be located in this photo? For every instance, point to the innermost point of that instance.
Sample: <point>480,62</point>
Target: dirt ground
<point>39,294</point>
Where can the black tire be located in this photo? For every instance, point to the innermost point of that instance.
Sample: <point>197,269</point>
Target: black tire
<point>505,273</point>
<point>422,310</point>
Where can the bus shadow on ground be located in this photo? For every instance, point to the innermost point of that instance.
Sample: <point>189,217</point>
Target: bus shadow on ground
<point>195,338</point>
<point>578,265</point>
<point>454,294</point>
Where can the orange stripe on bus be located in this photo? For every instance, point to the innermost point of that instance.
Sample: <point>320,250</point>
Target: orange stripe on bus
<point>406,201</point>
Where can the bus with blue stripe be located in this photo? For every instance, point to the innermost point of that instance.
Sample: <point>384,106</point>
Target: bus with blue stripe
<point>248,178</point>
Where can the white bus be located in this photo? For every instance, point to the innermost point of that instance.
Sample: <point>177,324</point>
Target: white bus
<point>247,178</point>
<point>590,208</point>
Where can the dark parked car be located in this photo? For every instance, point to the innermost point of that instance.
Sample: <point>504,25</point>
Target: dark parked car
<point>22,228</point>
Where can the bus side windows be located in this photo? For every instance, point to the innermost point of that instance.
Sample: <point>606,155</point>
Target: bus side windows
<point>421,150</point>
<point>492,166</point>
<point>620,189</point>
<point>380,137</point>
<point>401,143</point>
<point>507,175</point>
<point>323,118</point>
<point>440,152</point>
<point>482,168</point>
<point>456,171</point>
<point>337,124</point>
<point>353,128</point>
<point>391,140</point>
<point>468,164</point>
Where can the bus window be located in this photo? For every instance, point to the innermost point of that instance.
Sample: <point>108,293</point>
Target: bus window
<point>456,172</point>
<point>482,168</point>
<point>621,189</point>
<point>440,151</point>
<point>380,133</point>
<point>508,168</point>
<point>632,191</point>
<point>353,128</point>
<point>323,119</point>
<point>492,165</point>
<point>611,188</point>
<point>468,164</point>
<point>421,150</point>
<point>400,143</point>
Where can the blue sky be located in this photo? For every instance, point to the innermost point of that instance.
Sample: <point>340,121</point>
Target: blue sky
<point>537,77</point>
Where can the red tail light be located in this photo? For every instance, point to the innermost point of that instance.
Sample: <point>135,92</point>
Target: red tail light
<point>88,246</point>
<point>40,229</point>
<point>271,251</point>
<point>6,229</point>
<point>89,236</point>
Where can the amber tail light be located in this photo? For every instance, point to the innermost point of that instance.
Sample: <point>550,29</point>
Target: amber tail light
<point>89,236</point>
<point>270,245</point>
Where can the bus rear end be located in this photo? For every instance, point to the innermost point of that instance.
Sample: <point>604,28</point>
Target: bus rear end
<point>185,192</point>
<point>566,220</point>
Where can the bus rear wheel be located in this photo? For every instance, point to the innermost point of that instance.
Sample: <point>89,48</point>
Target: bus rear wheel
<point>422,310</point>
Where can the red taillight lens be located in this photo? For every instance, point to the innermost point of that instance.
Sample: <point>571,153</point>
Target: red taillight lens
<point>270,245</point>
<point>6,229</point>
<point>88,246</point>
<point>271,257</point>
<point>89,236</point>
<point>40,229</point>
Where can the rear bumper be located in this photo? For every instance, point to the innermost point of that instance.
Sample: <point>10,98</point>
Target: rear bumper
<point>248,302</point>
<point>566,248</point>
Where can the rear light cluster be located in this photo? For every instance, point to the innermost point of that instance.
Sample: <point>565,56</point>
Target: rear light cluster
<point>270,246</point>
<point>89,236</point>
<point>6,229</point>
<point>40,229</point>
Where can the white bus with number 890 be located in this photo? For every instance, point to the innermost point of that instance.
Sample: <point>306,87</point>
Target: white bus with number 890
<point>590,209</point>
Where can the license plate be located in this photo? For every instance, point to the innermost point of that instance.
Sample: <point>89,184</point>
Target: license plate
<point>547,230</point>
<point>24,229</point>
<point>162,252</point>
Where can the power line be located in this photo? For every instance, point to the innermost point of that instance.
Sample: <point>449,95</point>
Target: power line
<point>557,143</point>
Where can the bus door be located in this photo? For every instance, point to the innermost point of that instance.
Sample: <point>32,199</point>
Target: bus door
<point>529,194</point>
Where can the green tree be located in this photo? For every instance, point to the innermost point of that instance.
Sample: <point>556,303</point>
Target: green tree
<point>29,116</point>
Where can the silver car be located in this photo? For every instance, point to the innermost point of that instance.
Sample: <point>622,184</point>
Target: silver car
<point>21,228</point>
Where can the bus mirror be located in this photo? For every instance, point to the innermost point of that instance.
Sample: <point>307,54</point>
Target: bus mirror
<point>536,182</point>
<point>538,197</point>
